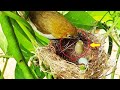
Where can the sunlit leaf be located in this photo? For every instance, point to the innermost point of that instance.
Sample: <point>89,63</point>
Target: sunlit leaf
<point>3,41</point>
<point>18,28</point>
<point>13,48</point>
<point>26,53</point>
<point>39,73</point>
<point>80,19</point>
<point>36,70</point>
<point>41,39</point>
<point>97,15</point>
<point>18,18</point>
<point>16,42</point>
<point>18,73</point>
<point>50,76</point>
<point>23,40</point>
<point>23,14</point>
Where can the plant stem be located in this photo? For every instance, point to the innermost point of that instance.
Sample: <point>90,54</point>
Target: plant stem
<point>114,24</point>
<point>114,40</point>
<point>2,73</point>
<point>114,68</point>
<point>5,56</point>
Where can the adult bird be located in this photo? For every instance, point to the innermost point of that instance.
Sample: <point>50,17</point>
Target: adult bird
<point>54,23</point>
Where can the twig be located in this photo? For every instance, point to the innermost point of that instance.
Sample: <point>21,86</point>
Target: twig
<point>2,73</point>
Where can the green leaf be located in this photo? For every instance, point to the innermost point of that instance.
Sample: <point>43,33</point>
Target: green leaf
<point>3,41</point>
<point>17,17</point>
<point>18,73</point>
<point>18,28</point>
<point>13,48</point>
<point>114,15</point>
<point>118,26</point>
<point>23,14</point>
<point>26,53</point>
<point>46,74</point>
<point>10,36</point>
<point>32,39</point>
<point>25,44</point>
<point>39,73</point>
<point>50,76</point>
<point>41,39</point>
<point>36,70</point>
<point>22,39</point>
<point>97,15</point>
<point>26,14</point>
<point>80,19</point>
<point>20,20</point>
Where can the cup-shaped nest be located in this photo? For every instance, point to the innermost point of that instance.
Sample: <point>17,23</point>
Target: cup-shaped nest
<point>61,60</point>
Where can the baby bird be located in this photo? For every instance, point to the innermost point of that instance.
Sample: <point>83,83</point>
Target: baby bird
<point>79,47</point>
<point>52,22</point>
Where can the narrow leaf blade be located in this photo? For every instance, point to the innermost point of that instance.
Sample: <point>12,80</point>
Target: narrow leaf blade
<point>18,73</point>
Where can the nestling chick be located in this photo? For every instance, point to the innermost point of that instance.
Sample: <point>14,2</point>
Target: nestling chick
<point>79,47</point>
<point>52,22</point>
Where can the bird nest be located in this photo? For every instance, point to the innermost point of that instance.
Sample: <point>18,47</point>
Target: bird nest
<point>59,58</point>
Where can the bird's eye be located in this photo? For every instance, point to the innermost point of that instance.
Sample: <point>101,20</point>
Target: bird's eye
<point>69,36</point>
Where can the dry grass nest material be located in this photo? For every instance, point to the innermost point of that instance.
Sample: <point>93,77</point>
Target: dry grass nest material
<point>62,67</point>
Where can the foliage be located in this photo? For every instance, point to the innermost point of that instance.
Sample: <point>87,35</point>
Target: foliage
<point>19,40</point>
<point>80,19</point>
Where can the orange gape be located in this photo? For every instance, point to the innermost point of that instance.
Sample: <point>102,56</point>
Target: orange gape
<point>52,22</point>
